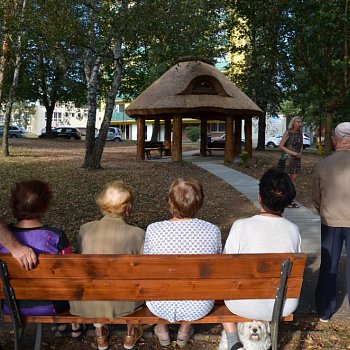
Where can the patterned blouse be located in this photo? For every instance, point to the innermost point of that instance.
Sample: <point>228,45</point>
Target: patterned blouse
<point>192,236</point>
<point>295,141</point>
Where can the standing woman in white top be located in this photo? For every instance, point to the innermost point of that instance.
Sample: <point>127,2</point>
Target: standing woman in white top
<point>267,232</point>
<point>182,234</point>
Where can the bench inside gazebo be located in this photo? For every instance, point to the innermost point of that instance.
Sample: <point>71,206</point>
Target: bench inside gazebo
<point>194,89</point>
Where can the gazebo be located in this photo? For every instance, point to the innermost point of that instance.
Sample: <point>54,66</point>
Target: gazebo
<point>194,89</point>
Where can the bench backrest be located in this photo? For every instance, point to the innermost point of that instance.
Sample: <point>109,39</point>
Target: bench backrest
<point>154,144</point>
<point>154,277</point>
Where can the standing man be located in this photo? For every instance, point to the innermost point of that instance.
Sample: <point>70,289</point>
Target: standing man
<point>23,254</point>
<point>331,198</point>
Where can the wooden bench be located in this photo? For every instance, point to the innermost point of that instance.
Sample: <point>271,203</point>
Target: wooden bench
<point>153,146</point>
<point>215,146</point>
<point>151,277</point>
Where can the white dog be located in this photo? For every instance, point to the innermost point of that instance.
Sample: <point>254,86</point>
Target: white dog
<point>254,335</point>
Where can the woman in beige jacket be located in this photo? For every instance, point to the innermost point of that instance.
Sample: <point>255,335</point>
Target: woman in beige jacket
<point>111,235</point>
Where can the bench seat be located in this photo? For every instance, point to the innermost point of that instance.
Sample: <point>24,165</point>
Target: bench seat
<point>153,146</point>
<point>219,314</point>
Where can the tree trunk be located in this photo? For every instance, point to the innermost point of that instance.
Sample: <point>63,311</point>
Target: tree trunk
<point>329,128</point>
<point>94,149</point>
<point>3,63</point>
<point>92,68</point>
<point>12,93</point>
<point>156,130</point>
<point>9,104</point>
<point>49,114</point>
<point>262,129</point>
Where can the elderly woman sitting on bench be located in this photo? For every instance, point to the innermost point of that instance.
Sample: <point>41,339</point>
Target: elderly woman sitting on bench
<point>182,234</point>
<point>111,235</point>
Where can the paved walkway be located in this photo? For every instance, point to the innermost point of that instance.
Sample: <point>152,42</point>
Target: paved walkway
<point>307,221</point>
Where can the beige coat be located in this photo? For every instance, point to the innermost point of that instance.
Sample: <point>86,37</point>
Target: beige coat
<point>331,189</point>
<point>110,235</point>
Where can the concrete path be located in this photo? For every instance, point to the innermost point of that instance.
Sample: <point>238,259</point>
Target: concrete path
<point>309,227</point>
<point>307,221</point>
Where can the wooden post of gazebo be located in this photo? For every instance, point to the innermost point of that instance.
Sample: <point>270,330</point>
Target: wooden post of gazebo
<point>176,149</point>
<point>203,146</point>
<point>167,136</point>
<point>140,148</point>
<point>238,136</point>
<point>229,146</point>
<point>248,137</point>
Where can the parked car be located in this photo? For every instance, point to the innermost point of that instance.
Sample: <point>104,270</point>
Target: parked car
<point>274,141</point>
<point>14,131</point>
<point>114,134</point>
<point>64,133</point>
<point>217,140</point>
<point>221,139</point>
<point>306,141</point>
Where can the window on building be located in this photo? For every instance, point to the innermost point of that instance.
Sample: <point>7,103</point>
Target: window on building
<point>217,127</point>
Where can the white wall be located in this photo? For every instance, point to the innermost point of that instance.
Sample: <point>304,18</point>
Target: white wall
<point>63,115</point>
<point>274,126</point>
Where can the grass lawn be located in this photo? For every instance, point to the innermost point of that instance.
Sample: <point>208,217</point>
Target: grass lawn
<point>59,162</point>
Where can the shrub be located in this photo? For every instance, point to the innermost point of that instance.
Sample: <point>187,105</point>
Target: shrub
<point>193,133</point>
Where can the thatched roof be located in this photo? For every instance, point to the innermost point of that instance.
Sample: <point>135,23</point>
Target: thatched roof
<point>192,87</point>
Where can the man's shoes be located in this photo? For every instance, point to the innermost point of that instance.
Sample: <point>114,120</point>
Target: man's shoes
<point>131,340</point>
<point>102,341</point>
<point>237,346</point>
<point>324,320</point>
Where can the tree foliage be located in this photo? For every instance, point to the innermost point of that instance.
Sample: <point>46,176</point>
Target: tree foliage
<point>319,51</point>
<point>161,31</point>
<point>259,54</point>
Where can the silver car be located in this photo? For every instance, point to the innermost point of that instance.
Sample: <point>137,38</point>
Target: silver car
<point>114,134</point>
<point>14,131</point>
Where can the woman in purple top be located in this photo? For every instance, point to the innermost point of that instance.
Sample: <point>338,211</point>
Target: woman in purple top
<point>30,199</point>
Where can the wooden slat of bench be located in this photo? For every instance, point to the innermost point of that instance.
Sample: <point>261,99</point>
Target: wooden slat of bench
<point>220,313</point>
<point>150,289</point>
<point>125,267</point>
<point>216,146</point>
<point>152,277</point>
